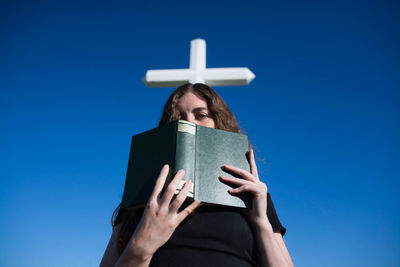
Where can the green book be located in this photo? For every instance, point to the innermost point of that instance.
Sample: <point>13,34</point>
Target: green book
<point>200,151</point>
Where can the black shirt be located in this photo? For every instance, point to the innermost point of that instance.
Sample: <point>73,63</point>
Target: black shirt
<point>213,236</point>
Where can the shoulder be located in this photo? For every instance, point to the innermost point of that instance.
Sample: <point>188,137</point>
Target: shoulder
<point>273,217</point>
<point>111,254</point>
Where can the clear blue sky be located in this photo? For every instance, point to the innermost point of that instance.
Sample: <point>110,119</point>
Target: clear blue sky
<point>323,114</point>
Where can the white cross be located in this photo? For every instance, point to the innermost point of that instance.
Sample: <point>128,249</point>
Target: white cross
<point>197,72</point>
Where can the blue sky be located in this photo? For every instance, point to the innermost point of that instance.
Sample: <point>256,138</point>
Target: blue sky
<point>322,113</point>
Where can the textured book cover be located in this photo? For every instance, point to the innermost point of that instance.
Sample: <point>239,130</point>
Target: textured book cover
<point>200,151</point>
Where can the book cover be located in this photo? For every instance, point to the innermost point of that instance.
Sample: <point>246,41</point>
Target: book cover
<point>200,151</point>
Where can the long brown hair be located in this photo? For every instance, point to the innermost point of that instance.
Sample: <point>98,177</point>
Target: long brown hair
<point>223,119</point>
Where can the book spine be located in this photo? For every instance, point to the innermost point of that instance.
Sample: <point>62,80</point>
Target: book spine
<point>185,152</point>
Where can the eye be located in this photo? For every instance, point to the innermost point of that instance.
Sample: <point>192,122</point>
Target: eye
<point>201,116</point>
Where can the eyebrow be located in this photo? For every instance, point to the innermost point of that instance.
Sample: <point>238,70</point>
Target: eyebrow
<point>200,109</point>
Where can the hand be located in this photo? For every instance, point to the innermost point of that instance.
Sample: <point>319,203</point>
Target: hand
<point>252,184</point>
<point>161,217</point>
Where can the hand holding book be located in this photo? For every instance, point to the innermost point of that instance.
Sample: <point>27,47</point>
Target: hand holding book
<point>160,218</point>
<point>250,182</point>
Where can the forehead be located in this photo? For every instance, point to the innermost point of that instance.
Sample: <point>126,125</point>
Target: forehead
<point>190,101</point>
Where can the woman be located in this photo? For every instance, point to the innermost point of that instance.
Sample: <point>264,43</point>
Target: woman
<point>173,232</point>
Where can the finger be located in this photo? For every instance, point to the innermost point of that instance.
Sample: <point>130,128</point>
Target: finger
<point>170,191</point>
<point>240,172</point>
<point>180,198</point>
<point>255,189</point>
<point>253,166</point>
<point>233,180</point>
<point>160,182</point>
<point>189,209</point>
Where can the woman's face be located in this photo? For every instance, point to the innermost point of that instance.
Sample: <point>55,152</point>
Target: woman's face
<point>194,109</point>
